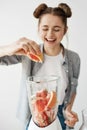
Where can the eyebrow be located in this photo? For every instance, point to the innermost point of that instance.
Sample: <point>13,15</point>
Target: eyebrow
<point>53,26</point>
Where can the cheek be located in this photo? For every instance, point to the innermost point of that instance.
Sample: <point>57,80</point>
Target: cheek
<point>61,34</point>
<point>41,34</point>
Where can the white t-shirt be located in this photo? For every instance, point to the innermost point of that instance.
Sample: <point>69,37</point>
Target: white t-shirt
<point>53,66</point>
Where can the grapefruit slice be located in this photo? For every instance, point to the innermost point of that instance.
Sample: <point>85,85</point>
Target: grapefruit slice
<point>36,58</point>
<point>43,93</point>
<point>52,100</point>
<point>41,100</point>
<point>40,104</point>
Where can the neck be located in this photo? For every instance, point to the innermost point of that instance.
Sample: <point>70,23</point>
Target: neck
<point>52,51</point>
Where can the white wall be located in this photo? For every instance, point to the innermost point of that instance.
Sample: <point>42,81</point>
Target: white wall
<point>16,20</point>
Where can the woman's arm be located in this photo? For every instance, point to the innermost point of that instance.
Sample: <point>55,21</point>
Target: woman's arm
<point>71,116</point>
<point>74,70</point>
<point>20,47</point>
<point>70,105</point>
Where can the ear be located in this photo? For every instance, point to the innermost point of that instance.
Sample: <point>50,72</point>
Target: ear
<point>65,30</point>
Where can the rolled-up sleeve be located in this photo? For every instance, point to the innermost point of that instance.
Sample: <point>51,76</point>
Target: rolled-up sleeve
<point>74,83</point>
<point>74,72</point>
<point>8,60</point>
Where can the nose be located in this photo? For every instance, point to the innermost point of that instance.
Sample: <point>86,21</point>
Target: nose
<point>50,33</point>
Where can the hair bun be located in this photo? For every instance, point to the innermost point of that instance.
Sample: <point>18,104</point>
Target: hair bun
<point>38,11</point>
<point>66,9</point>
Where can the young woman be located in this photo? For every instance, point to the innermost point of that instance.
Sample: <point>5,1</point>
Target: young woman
<point>52,26</point>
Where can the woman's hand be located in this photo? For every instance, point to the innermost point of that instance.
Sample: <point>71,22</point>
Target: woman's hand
<point>21,47</point>
<point>70,117</point>
<point>25,46</point>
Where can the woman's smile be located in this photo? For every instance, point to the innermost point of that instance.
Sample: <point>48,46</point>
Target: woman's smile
<point>50,40</point>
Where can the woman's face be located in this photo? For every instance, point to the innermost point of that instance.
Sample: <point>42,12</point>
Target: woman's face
<point>51,30</point>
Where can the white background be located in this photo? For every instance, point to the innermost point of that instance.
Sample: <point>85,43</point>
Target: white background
<point>16,21</point>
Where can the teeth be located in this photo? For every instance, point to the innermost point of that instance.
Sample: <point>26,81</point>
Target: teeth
<point>51,40</point>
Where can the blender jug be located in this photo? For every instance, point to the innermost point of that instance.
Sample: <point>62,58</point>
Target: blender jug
<point>84,120</point>
<point>43,100</point>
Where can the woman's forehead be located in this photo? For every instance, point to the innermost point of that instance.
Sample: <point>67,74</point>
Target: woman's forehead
<point>49,19</point>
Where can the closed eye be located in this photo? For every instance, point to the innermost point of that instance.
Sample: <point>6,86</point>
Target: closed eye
<point>45,29</point>
<point>56,30</point>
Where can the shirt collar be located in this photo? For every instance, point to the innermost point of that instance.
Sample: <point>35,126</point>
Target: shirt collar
<point>65,53</point>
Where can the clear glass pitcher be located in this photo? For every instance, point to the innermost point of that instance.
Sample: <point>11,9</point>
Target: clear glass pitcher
<point>84,120</point>
<point>43,99</point>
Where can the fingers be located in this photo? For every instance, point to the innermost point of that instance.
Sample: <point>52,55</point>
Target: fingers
<point>70,123</point>
<point>74,116</point>
<point>71,118</point>
<point>34,47</point>
<point>27,46</point>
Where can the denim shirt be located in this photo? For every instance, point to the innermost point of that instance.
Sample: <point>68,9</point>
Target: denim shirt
<point>72,68</point>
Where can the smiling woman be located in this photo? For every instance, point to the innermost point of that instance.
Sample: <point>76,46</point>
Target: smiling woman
<point>16,21</point>
<point>54,20</point>
<point>51,33</point>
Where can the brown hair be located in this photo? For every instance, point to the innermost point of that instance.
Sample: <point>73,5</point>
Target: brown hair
<point>63,11</point>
